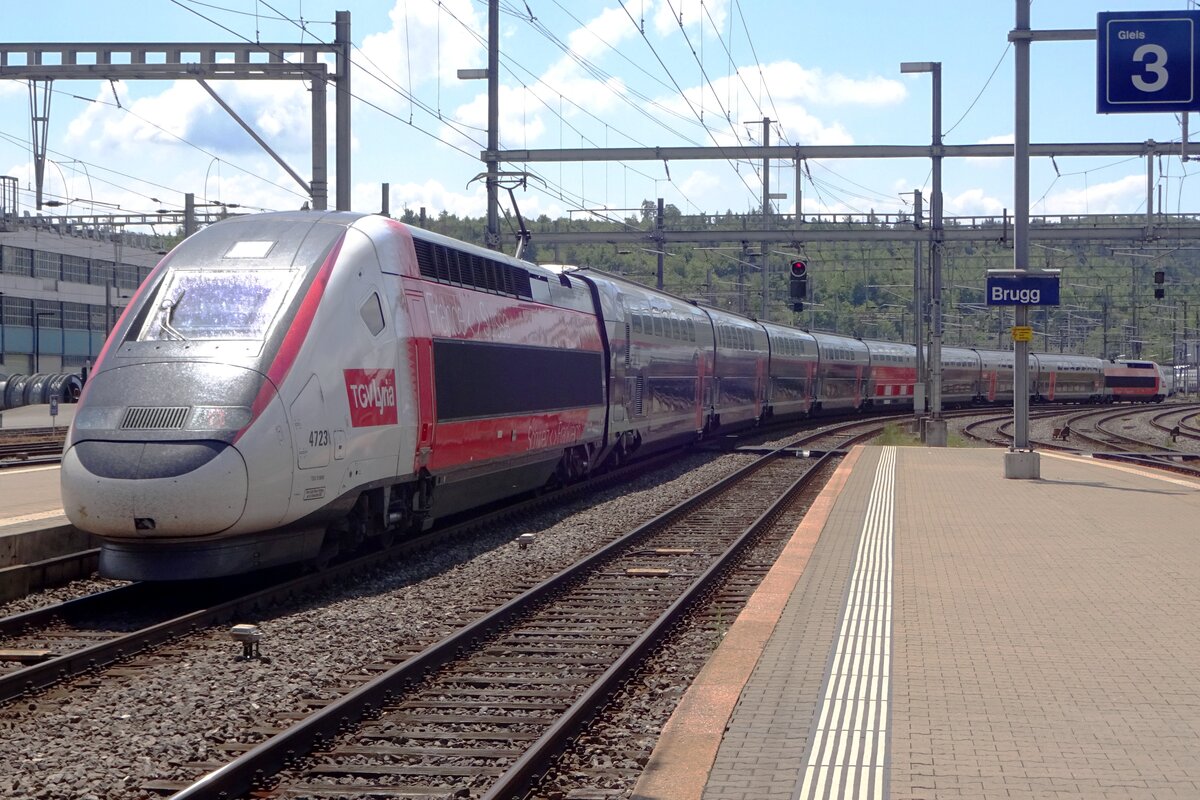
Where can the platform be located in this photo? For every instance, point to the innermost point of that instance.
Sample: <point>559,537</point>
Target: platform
<point>934,630</point>
<point>36,539</point>
<point>37,416</point>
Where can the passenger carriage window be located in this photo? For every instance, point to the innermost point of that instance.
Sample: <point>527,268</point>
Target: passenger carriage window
<point>675,333</point>
<point>637,323</point>
<point>691,328</point>
<point>658,326</point>
<point>372,314</point>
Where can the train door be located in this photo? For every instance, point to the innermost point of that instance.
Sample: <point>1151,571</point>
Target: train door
<point>420,360</point>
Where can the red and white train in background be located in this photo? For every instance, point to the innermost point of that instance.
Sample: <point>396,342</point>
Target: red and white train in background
<point>284,385</point>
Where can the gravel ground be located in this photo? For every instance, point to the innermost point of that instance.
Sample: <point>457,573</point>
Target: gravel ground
<point>106,742</point>
<point>58,594</point>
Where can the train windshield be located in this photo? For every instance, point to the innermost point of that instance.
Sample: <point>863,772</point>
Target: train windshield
<point>217,304</point>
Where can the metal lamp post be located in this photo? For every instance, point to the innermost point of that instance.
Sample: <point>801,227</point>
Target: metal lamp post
<point>935,429</point>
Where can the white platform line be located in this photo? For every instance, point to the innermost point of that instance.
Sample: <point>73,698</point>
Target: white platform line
<point>848,751</point>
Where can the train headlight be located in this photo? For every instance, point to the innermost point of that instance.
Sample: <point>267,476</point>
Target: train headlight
<point>218,418</point>
<point>98,417</point>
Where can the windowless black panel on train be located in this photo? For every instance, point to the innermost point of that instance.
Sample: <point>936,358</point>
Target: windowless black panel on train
<point>1130,381</point>
<point>481,379</point>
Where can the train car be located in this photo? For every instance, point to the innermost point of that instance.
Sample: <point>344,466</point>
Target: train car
<point>962,375</point>
<point>842,373</point>
<point>282,385</point>
<point>791,371</point>
<point>660,363</point>
<point>1133,381</point>
<point>739,374</point>
<point>995,376</point>
<point>892,374</point>
<point>1167,378</point>
<point>1065,378</point>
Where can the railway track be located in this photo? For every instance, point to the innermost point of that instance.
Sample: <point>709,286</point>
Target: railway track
<point>52,644</point>
<point>20,446</point>
<point>485,712</point>
<point>1092,428</point>
<point>1183,419</point>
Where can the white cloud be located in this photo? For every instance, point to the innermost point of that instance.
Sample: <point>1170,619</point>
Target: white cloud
<point>601,34</point>
<point>432,195</point>
<point>790,81</point>
<point>794,91</point>
<point>521,121</point>
<point>973,202</point>
<point>426,43</point>
<point>1123,196</point>
<point>701,183</point>
<point>692,14</point>
<point>185,114</point>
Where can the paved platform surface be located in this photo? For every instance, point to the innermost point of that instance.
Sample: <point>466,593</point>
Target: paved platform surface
<point>29,493</point>
<point>37,416</point>
<point>935,630</point>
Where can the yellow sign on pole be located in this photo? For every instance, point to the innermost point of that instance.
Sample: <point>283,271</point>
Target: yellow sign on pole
<point>1022,333</point>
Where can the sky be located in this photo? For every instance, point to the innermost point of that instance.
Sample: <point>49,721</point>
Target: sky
<point>590,73</point>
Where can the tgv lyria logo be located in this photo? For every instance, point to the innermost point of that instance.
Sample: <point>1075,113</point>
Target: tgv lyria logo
<point>372,396</point>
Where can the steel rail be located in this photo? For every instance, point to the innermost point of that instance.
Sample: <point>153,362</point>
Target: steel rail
<point>252,770</point>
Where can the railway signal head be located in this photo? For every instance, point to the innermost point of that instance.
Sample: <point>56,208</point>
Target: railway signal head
<point>798,286</point>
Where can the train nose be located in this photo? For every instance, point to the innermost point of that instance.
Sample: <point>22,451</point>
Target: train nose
<point>146,490</point>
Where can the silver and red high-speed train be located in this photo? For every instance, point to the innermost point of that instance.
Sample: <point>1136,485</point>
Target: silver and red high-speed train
<point>284,385</point>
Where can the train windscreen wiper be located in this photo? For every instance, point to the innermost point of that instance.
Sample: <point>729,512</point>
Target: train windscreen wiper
<point>167,307</point>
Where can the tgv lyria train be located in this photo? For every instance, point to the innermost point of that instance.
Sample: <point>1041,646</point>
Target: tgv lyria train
<point>285,385</point>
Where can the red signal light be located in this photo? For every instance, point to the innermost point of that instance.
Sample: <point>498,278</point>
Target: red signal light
<point>799,269</point>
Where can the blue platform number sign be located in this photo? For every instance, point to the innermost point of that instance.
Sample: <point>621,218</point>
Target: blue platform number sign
<point>53,406</point>
<point>1146,61</point>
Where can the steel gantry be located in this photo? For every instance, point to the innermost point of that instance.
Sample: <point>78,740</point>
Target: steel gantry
<point>43,63</point>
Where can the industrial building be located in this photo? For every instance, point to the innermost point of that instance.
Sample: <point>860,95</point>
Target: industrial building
<point>62,287</point>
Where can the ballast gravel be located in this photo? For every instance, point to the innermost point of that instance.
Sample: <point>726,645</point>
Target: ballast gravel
<point>106,742</point>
